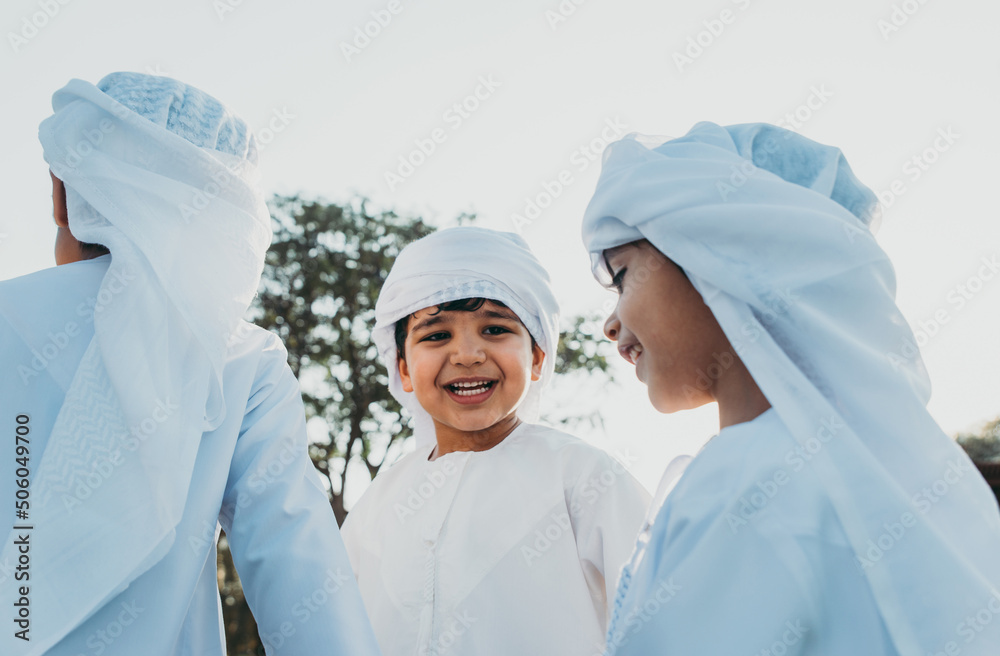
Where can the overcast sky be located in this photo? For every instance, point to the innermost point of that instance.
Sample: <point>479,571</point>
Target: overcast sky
<point>435,107</point>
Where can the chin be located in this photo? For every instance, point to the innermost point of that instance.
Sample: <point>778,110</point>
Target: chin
<point>473,424</point>
<point>667,403</point>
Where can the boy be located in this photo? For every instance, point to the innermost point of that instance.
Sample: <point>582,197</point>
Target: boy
<point>496,536</point>
<point>805,526</point>
<point>145,411</point>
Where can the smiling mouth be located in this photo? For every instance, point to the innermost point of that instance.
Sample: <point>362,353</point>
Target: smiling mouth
<point>470,389</point>
<point>631,352</point>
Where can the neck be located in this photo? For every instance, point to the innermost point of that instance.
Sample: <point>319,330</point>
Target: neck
<point>450,439</point>
<point>739,398</point>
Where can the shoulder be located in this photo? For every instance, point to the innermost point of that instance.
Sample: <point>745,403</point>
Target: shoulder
<point>58,284</point>
<point>578,461</point>
<point>258,356</point>
<point>389,485</point>
<point>753,481</point>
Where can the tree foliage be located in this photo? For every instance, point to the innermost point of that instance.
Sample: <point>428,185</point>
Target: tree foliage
<point>984,446</point>
<point>321,280</point>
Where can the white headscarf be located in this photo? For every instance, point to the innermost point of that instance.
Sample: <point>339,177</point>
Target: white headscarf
<point>165,177</point>
<point>459,263</point>
<point>772,230</point>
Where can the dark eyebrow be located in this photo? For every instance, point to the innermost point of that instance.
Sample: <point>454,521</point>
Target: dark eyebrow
<point>427,323</point>
<point>489,313</point>
<point>498,314</point>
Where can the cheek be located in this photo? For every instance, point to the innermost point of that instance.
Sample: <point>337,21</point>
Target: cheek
<point>515,360</point>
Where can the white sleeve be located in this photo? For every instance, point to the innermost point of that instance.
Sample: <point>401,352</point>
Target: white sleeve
<point>608,507</point>
<point>282,531</point>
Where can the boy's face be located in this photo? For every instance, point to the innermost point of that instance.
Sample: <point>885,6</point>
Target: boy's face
<point>469,370</point>
<point>664,328</point>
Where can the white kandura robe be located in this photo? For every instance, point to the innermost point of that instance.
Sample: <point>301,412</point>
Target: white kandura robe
<point>513,550</point>
<point>747,556</point>
<point>252,473</point>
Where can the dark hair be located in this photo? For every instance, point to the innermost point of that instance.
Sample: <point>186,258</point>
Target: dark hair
<point>93,250</point>
<point>461,305</point>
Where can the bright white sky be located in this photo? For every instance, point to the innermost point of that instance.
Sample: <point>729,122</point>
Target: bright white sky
<point>882,99</point>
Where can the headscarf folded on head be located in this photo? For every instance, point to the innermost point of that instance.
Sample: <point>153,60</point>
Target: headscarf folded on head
<point>460,263</point>
<point>165,177</point>
<point>772,230</point>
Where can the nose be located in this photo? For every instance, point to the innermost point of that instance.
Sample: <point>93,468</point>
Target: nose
<point>467,351</point>
<point>613,326</point>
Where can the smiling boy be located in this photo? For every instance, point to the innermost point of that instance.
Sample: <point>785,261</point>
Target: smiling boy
<point>496,535</point>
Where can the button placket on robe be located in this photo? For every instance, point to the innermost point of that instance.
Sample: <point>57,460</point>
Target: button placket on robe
<point>444,476</point>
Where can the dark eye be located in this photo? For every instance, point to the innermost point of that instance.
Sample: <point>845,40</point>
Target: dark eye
<point>435,337</point>
<point>619,280</point>
<point>496,330</point>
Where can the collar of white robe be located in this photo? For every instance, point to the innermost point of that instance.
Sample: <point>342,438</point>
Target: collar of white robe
<point>165,177</point>
<point>466,262</point>
<point>772,229</point>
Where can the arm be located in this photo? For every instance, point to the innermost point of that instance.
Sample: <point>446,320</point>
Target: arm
<point>282,532</point>
<point>608,507</point>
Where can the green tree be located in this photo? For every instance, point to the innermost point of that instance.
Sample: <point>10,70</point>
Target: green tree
<point>984,446</point>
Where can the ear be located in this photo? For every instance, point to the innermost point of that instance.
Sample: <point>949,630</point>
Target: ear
<point>537,358</point>
<point>404,375</point>
<point>59,212</point>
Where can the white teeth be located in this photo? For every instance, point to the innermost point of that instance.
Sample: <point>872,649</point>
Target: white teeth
<point>634,351</point>
<point>469,389</point>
